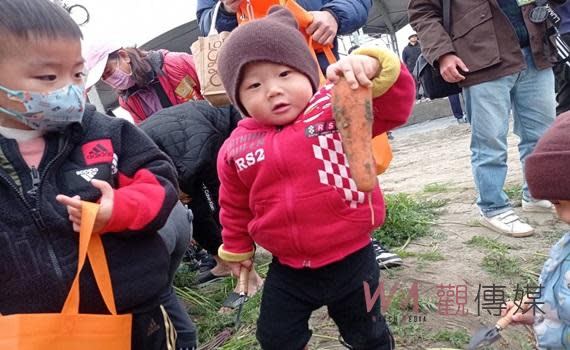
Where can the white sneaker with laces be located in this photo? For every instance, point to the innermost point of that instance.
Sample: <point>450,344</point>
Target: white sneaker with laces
<point>508,223</point>
<point>537,206</point>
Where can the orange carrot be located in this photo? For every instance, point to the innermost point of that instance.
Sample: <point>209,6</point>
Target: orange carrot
<point>352,110</point>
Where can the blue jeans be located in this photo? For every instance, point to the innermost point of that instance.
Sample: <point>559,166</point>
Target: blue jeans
<point>530,96</point>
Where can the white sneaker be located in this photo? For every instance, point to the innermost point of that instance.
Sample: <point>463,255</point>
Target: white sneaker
<point>537,206</point>
<point>508,223</point>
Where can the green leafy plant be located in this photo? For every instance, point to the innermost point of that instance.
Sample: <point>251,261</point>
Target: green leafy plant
<point>407,218</point>
<point>437,187</point>
<point>514,192</point>
<point>488,243</point>
<point>457,338</point>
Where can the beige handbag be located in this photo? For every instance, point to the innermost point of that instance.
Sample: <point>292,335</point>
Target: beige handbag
<point>205,52</point>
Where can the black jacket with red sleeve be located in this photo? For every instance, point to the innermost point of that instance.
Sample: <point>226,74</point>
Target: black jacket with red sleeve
<point>38,247</point>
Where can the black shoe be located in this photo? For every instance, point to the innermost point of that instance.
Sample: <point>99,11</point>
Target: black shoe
<point>384,258</point>
<point>207,277</point>
<point>205,260</point>
<point>189,258</point>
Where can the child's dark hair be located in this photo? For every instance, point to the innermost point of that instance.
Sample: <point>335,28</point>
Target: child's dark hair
<point>34,19</point>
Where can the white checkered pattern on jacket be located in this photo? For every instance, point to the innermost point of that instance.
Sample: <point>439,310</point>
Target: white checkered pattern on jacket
<point>335,172</point>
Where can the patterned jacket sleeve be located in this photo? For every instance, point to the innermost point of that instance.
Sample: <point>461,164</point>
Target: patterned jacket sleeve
<point>147,188</point>
<point>234,212</point>
<point>393,90</point>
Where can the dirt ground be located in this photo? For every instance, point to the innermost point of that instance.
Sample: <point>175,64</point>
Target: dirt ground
<point>437,152</point>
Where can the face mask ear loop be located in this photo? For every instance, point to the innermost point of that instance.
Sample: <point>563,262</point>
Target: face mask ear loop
<point>119,66</point>
<point>10,94</point>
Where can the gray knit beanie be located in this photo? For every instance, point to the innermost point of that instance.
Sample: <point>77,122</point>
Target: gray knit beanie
<point>274,38</point>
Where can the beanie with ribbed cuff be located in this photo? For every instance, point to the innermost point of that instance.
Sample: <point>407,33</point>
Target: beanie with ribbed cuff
<point>274,38</point>
<point>547,169</point>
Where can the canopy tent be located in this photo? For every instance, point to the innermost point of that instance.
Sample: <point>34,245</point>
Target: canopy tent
<point>385,17</point>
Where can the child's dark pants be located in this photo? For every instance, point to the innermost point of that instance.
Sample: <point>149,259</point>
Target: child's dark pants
<point>291,295</point>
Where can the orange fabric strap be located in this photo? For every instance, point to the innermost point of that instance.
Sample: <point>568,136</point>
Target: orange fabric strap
<point>90,244</point>
<point>252,9</point>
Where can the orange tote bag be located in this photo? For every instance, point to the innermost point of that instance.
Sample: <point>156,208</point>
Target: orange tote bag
<point>70,330</point>
<point>382,152</point>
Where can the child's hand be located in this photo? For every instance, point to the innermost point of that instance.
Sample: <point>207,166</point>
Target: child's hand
<point>522,316</point>
<point>237,266</point>
<point>105,206</point>
<point>356,69</point>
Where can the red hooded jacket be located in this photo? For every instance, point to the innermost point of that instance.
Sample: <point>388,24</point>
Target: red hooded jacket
<point>289,188</point>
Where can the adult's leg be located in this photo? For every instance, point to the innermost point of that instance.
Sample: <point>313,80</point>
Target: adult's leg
<point>534,108</point>
<point>176,235</point>
<point>455,103</point>
<point>207,230</point>
<point>488,105</point>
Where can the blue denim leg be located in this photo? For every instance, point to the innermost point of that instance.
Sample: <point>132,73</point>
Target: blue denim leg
<point>534,109</point>
<point>531,95</point>
<point>488,105</point>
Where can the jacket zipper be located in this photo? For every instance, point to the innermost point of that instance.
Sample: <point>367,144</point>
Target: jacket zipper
<point>289,202</point>
<point>38,220</point>
<point>51,250</point>
<point>35,191</point>
<point>35,181</point>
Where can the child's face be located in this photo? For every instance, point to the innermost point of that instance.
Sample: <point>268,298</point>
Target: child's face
<point>563,210</point>
<point>38,65</point>
<point>274,94</point>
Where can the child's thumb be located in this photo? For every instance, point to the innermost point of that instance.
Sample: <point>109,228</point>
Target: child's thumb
<point>102,186</point>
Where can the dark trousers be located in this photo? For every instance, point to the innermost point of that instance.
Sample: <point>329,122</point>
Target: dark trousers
<point>152,330</point>
<point>176,235</point>
<point>291,295</point>
<point>207,228</point>
<point>455,103</point>
<point>562,80</point>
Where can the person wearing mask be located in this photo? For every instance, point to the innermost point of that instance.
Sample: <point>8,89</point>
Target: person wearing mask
<point>146,81</point>
<point>57,154</point>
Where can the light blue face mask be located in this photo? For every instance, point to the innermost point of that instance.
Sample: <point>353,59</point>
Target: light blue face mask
<point>52,111</point>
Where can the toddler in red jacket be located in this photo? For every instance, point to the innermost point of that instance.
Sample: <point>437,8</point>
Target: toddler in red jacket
<point>286,183</point>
